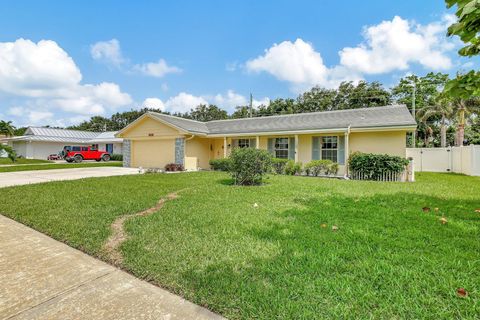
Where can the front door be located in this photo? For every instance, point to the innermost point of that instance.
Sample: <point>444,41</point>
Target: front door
<point>109,147</point>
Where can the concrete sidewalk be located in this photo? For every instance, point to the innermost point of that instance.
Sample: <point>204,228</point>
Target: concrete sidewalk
<point>8,179</point>
<point>41,278</point>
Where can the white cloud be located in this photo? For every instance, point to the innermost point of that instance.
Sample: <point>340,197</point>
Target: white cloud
<point>296,62</point>
<point>46,77</point>
<point>153,103</point>
<point>183,102</point>
<point>389,46</point>
<point>229,100</point>
<point>156,69</point>
<point>394,45</point>
<point>107,51</point>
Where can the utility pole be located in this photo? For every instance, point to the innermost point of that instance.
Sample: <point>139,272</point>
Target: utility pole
<point>251,105</point>
<point>413,112</point>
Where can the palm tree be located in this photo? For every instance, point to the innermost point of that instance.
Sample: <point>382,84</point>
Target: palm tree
<point>443,109</point>
<point>464,108</point>
<point>6,128</point>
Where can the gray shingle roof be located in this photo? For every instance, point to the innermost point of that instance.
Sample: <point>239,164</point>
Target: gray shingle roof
<point>388,116</point>
<point>185,124</point>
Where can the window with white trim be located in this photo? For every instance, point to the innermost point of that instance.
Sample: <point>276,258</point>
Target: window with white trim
<point>244,143</point>
<point>281,148</point>
<point>330,148</point>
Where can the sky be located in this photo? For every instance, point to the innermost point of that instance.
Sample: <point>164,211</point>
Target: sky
<point>62,62</point>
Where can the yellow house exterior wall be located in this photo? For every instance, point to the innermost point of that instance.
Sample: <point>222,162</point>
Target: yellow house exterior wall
<point>199,148</point>
<point>389,142</point>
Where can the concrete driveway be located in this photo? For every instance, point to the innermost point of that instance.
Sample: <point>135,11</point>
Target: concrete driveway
<point>8,179</point>
<point>42,279</point>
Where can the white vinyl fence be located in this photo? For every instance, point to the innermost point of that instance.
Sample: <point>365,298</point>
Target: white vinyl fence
<point>464,160</point>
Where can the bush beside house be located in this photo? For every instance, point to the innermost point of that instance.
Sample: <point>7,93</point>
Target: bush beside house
<point>374,166</point>
<point>248,165</point>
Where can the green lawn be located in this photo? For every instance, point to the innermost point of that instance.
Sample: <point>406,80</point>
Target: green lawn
<point>60,166</point>
<point>388,259</point>
<point>22,161</point>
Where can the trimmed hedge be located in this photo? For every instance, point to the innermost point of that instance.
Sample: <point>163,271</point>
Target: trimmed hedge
<point>278,165</point>
<point>373,166</point>
<point>248,165</point>
<point>293,168</point>
<point>220,164</point>
<point>318,167</point>
<point>116,157</point>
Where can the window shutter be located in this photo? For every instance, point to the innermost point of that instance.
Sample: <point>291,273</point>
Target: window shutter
<point>291,149</point>
<point>316,147</point>
<point>234,143</point>
<point>253,143</point>
<point>271,146</point>
<point>341,150</point>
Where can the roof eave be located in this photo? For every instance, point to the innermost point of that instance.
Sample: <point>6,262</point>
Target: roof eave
<point>313,131</point>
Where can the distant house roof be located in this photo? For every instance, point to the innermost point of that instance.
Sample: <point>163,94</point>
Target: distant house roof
<point>375,117</point>
<point>66,136</point>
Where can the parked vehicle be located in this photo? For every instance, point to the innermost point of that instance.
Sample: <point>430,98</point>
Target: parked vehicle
<point>54,157</point>
<point>80,153</point>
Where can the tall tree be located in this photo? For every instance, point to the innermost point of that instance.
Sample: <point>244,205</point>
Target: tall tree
<point>465,109</point>
<point>427,91</point>
<point>441,108</point>
<point>206,113</point>
<point>243,112</point>
<point>467,28</point>
<point>6,128</point>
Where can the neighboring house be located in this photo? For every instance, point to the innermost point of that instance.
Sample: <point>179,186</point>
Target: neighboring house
<point>39,142</point>
<point>155,139</point>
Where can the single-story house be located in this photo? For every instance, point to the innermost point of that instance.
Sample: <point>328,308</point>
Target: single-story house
<point>155,139</point>
<point>40,142</point>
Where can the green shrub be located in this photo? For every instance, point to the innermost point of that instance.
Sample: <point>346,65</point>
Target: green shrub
<point>248,165</point>
<point>220,164</point>
<point>116,157</point>
<point>333,168</point>
<point>293,168</point>
<point>373,166</point>
<point>317,167</point>
<point>278,165</point>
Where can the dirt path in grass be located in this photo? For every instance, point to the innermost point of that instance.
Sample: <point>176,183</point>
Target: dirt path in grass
<point>118,236</point>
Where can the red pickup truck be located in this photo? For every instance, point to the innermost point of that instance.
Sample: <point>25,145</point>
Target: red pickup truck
<point>80,153</point>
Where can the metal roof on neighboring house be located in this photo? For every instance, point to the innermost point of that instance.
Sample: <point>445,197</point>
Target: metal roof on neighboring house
<point>387,116</point>
<point>66,136</point>
<point>60,133</point>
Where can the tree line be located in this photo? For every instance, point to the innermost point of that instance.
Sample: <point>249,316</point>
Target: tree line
<point>442,119</point>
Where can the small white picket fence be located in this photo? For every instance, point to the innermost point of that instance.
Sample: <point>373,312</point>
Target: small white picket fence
<point>385,176</point>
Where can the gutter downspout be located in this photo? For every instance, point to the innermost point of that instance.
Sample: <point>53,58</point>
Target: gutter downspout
<point>347,149</point>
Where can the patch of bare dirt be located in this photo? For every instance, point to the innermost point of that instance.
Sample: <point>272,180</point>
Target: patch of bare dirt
<point>118,236</point>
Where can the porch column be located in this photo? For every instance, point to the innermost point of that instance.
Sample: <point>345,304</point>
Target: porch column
<point>257,144</point>
<point>224,147</point>
<point>296,148</point>
<point>347,150</point>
